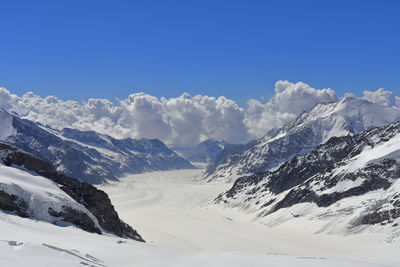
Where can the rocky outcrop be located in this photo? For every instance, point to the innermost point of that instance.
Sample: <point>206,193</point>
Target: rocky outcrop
<point>384,216</point>
<point>93,199</point>
<point>343,170</point>
<point>13,203</point>
<point>78,218</point>
<point>297,138</point>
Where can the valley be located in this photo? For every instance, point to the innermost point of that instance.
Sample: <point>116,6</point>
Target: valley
<point>174,210</point>
<point>200,134</point>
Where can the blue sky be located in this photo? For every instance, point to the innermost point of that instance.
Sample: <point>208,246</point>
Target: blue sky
<point>108,49</point>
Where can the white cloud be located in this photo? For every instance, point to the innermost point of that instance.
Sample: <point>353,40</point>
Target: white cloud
<point>10,101</point>
<point>290,100</point>
<point>195,118</point>
<point>182,121</point>
<point>382,97</point>
<point>145,116</point>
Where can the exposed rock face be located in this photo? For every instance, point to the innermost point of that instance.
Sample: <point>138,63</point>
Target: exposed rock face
<point>346,117</point>
<point>76,217</point>
<point>87,155</point>
<point>344,168</point>
<point>93,199</point>
<point>13,203</point>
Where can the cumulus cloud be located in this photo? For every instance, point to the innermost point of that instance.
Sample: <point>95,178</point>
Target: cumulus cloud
<point>289,101</point>
<point>195,118</point>
<point>298,97</point>
<point>181,121</point>
<point>10,101</point>
<point>382,97</point>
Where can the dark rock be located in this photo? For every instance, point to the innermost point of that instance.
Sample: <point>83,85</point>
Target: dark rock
<point>95,200</point>
<point>305,178</point>
<point>301,136</point>
<point>78,218</point>
<point>13,203</point>
<point>80,154</point>
<point>381,216</point>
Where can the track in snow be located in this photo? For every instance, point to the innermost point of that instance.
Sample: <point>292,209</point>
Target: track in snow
<point>174,209</point>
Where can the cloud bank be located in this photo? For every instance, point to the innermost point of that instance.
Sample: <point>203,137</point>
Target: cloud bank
<point>182,121</point>
<point>382,97</point>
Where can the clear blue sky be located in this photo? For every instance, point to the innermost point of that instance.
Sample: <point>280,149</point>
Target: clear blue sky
<point>81,49</point>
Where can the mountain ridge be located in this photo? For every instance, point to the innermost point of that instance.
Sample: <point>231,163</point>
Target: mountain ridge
<point>88,156</point>
<point>348,116</point>
<point>353,178</point>
<point>30,187</point>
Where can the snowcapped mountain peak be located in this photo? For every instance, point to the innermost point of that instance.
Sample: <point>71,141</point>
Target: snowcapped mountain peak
<point>347,116</point>
<point>88,155</point>
<point>354,179</point>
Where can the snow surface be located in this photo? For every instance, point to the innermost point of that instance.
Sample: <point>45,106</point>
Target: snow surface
<point>384,150</point>
<point>343,217</point>
<point>28,243</point>
<point>39,193</point>
<point>175,210</point>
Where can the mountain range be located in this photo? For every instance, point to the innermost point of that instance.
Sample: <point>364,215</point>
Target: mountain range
<point>88,155</point>
<point>343,185</point>
<point>334,169</point>
<point>348,116</point>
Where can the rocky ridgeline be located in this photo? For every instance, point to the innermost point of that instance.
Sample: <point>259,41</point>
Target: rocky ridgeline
<point>93,199</point>
<point>336,172</point>
<point>87,155</point>
<point>299,137</point>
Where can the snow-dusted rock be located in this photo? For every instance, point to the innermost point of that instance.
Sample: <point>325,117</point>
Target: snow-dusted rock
<point>87,155</point>
<point>30,187</point>
<point>346,117</point>
<point>347,183</point>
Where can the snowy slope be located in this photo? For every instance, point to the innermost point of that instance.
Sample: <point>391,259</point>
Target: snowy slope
<point>88,156</point>
<point>348,116</point>
<point>347,185</point>
<point>37,195</point>
<point>32,188</point>
<point>175,210</point>
<point>29,243</point>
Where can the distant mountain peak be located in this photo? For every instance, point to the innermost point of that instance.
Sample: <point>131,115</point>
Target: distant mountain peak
<point>205,152</point>
<point>88,155</point>
<point>347,116</point>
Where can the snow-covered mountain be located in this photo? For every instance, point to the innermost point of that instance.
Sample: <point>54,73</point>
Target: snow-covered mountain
<point>205,152</point>
<point>176,216</point>
<point>87,155</point>
<point>32,188</point>
<point>348,116</point>
<point>348,183</point>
